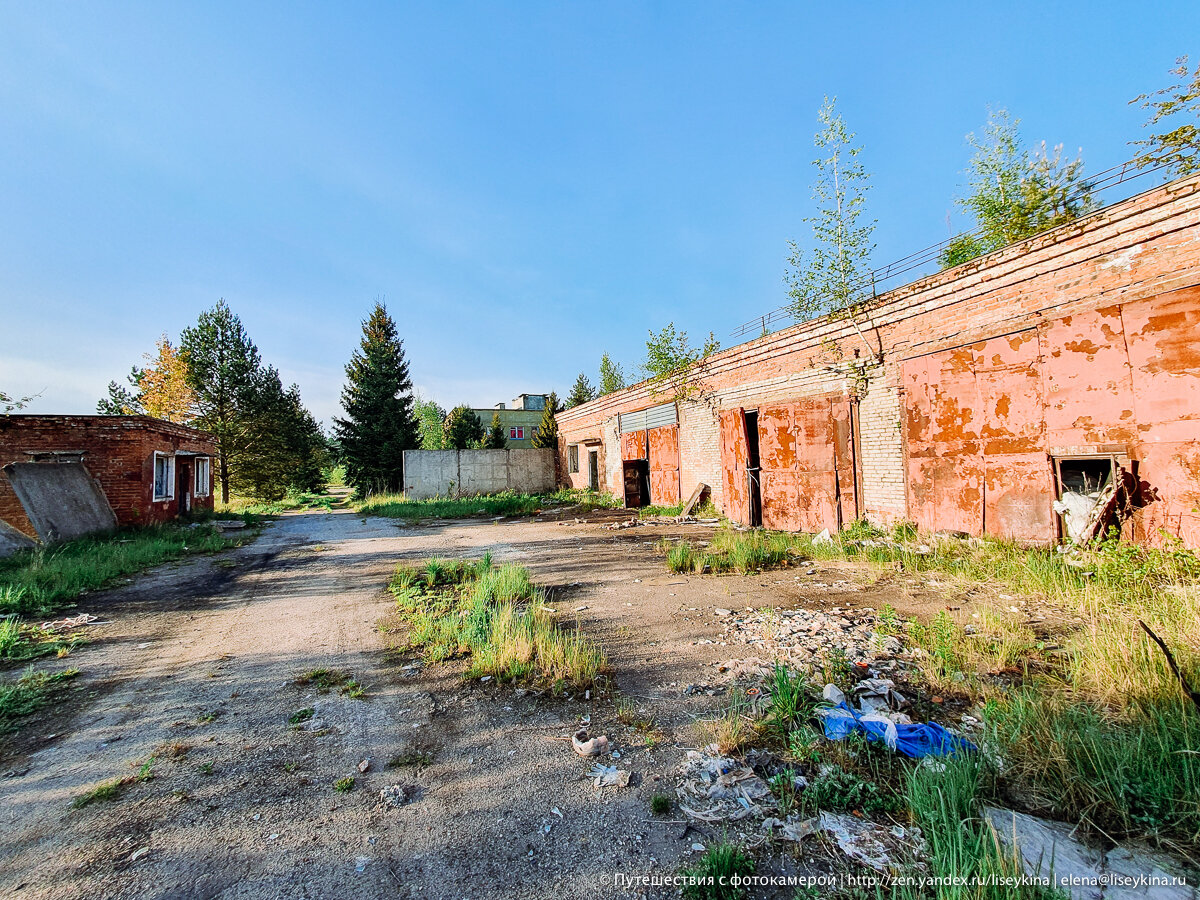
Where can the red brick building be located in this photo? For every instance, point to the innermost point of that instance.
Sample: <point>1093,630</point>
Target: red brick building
<point>972,400</point>
<point>65,475</point>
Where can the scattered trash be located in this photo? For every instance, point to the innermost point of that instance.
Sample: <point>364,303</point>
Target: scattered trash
<point>722,612</point>
<point>138,854</point>
<point>911,739</point>
<point>715,788</point>
<point>794,829</point>
<point>586,746</point>
<point>397,795</point>
<point>869,843</point>
<point>878,695</point>
<point>70,622</point>
<point>558,812</point>
<point>360,864</point>
<point>822,539</point>
<point>608,776</point>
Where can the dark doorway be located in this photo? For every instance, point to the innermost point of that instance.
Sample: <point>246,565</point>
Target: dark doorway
<point>593,470</point>
<point>183,488</point>
<point>637,482</point>
<point>753,470</point>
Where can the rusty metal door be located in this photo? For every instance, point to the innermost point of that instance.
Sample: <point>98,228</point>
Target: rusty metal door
<point>734,452</point>
<point>663,454</point>
<point>976,443</point>
<point>807,456</point>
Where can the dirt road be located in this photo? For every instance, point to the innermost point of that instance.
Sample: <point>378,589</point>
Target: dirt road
<point>197,669</point>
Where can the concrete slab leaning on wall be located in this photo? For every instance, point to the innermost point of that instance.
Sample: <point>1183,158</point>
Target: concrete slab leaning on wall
<point>457,473</point>
<point>62,500</point>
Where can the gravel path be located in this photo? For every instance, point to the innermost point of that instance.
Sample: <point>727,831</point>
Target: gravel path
<point>200,658</point>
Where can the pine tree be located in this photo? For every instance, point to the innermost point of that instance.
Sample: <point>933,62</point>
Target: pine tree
<point>120,400</point>
<point>462,429</point>
<point>379,424</point>
<point>581,392</point>
<point>612,379</point>
<point>546,436</point>
<point>496,439</point>
<point>222,363</point>
<point>289,449</point>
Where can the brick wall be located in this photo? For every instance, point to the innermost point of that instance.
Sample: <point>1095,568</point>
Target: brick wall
<point>1136,250</point>
<point>118,451</point>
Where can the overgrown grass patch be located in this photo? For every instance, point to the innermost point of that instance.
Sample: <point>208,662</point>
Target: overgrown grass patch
<point>32,691</point>
<point>39,581</point>
<point>742,552</point>
<point>712,876</point>
<point>22,641</point>
<point>505,503</point>
<point>325,680</point>
<point>497,617</point>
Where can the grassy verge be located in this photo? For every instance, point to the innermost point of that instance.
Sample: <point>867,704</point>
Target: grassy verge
<point>29,693</point>
<point>291,501</point>
<point>21,641</point>
<point>1093,729</point>
<point>505,503</point>
<point>498,618</point>
<point>40,581</point>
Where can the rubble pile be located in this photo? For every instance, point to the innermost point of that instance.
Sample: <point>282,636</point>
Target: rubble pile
<point>803,638</point>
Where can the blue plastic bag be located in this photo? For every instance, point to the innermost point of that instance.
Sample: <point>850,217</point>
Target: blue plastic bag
<point>915,740</point>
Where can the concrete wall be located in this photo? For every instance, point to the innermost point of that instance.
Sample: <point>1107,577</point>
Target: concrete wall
<point>455,473</point>
<point>61,499</point>
<point>1119,280</point>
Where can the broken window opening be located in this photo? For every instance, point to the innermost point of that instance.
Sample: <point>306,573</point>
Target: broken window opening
<point>1088,488</point>
<point>572,458</point>
<point>753,469</point>
<point>164,476</point>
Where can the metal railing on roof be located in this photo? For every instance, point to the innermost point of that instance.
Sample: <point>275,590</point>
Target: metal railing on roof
<point>868,286</point>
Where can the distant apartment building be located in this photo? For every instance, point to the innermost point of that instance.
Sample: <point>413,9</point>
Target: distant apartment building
<point>519,420</point>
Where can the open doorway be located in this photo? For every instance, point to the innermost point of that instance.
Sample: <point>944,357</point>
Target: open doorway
<point>593,470</point>
<point>753,470</point>
<point>637,482</point>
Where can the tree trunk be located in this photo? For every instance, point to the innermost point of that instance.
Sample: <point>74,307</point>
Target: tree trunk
<point>224,480</point>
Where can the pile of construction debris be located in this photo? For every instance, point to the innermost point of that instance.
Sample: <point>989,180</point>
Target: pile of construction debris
<point>805,638</point>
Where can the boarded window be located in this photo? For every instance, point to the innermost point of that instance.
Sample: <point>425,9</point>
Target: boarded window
<point>164,476</point>
<point>573,458</point>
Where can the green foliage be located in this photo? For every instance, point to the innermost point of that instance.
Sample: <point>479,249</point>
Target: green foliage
<point>29,693</point>
<point>21,641</point>
<point>106,792</point>
<point>289,450</point>
<point>344,785</point>
<point>496,438</point>
<point>660,804</point>
<point>833,277</point>
<point>581,392</point>
<point>710,878</point>
<point>673,366</point>
<point>429,418</point>
<point>39,581</point>
<point>838,790</point>
<point>792,699</point>
<point>1178,106</point>
<point>462,429</point>
<point>379,424</point>
<point>120,400</point>
<point>730,551</point>
<point>612,379</point>
<point>546,436</point>
<point>8,402</point>
<point>1133,771</point>
<point>498,617</point>
<point>1015,194</point>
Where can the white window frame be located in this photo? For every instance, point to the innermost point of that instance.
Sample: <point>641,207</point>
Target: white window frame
<point>170,495</point>
<point>202,485</point>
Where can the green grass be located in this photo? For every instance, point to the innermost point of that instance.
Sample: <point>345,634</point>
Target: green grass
<point>21,641</point>
<point>325,680</point>
<point>742,552</point>
<point>709,878</point>
<point>497,617</point>
<point>102,793</point>
<point>32,691</point>
<point>344,785</point>
<point>660,804</point>
<point>40,581</point>
<point>300,716</point>
<point>505,503</point>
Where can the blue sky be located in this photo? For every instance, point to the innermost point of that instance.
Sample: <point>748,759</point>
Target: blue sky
<point>526,184</point>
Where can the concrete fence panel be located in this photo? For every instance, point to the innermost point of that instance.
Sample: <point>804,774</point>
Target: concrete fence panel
<point>460,473</point>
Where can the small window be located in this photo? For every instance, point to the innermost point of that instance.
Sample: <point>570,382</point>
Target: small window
<point>573,458</point>
<point>516,433</point>
<point>203,476</point>
<point>164,476</point>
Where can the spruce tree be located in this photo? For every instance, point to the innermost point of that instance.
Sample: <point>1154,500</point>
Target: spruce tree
<point>496,439</point>
<point>546,436</point>
<point>222,363</point>
<point>379,424</point>
<point>581,392</point>
<point>462,429</point>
